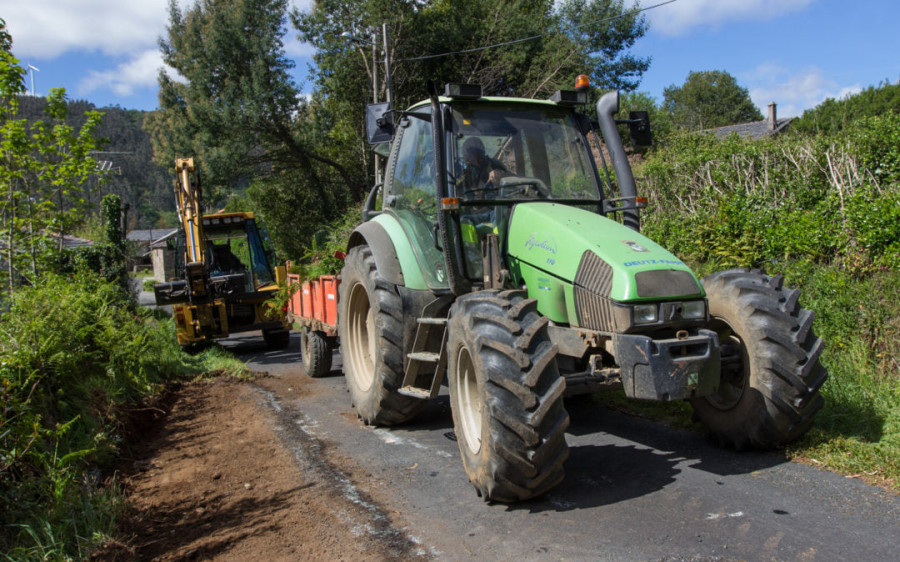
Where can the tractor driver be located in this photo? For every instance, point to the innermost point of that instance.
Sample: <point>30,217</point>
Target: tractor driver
<point>480,180</point>
<point>481,172</point>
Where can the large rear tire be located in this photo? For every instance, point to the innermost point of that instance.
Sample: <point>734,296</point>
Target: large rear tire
<point>315,352</point>
<point>506,395</point>
<point>370,322</point>
<point>771,375</point>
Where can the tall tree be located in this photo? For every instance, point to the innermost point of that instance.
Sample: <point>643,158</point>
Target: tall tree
<point>707,99</point>
<point>236,109</point>
<point>534,47</point>
<point>234,105</point>
<point>45,168</point>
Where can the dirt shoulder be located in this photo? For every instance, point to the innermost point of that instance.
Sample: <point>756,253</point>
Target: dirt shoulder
<point>214,481</point>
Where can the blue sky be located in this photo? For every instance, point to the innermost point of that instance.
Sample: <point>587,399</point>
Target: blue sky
<point>793,52</point>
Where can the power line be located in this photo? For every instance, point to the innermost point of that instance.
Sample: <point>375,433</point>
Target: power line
<point>532,38</point>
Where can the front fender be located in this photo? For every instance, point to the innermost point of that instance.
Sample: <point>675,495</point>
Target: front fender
<point>384,235</point>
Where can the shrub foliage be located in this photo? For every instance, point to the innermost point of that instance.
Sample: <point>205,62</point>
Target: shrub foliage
<point>74,352</point>
<point>738,202</point>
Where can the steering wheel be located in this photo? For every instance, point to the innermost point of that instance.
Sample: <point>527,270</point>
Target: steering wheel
<point>523,183</point>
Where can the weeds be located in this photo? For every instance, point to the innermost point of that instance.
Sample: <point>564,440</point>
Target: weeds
<point>75,352</point>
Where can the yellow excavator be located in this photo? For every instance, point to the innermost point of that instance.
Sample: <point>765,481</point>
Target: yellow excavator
<point>225,280</point>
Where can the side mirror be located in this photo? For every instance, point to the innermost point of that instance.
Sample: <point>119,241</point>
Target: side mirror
<point>639,127</point>
<point>379,123</point>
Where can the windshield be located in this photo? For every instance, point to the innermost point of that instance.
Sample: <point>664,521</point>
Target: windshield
<point>516,151</point>
<point>237,248</point>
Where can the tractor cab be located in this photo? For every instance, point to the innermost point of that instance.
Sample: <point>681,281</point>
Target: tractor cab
<point>497,152</point>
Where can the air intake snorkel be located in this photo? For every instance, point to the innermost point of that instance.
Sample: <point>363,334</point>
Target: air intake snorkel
<point>607,106</point>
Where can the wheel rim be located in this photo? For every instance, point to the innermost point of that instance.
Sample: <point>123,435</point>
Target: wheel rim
<point>361,356</point>
<point>735,365</point>
<point>469,401</point>
<point>304,346</point>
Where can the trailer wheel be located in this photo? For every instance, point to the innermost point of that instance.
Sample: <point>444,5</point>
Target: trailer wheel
<point>769,391</point>
<point>276,339</point>
<point>370,322</point>
<point>315,352</point>
<point>506,395</point>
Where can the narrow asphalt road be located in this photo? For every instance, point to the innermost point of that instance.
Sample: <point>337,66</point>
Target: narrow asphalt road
<point>634,489</point>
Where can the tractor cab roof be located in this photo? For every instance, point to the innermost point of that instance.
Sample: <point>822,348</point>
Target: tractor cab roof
<point>489,99</point>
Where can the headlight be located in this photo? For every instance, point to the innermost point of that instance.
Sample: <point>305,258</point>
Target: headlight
<point>645,313</point>
<point>693,310</point>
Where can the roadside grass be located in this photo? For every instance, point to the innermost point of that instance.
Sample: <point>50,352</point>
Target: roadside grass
<point>857,433</point>
<point>214,361</point>
<point>77,356</point>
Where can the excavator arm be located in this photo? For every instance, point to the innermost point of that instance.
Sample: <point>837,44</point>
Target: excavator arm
<point>188,204</point>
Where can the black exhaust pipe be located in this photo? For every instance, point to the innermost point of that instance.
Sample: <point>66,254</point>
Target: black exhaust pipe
<point>607,106</point>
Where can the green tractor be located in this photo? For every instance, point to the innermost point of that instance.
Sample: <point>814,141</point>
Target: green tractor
<point>493,261</point>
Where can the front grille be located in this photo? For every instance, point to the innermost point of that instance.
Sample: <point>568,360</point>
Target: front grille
<point>594,311</point>
<point>666,283</point>
<point>593,282</point>
<point>594,274</point>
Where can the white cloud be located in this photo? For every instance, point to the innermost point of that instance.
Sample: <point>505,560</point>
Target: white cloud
<point>293,48</point>
<point>302,5</point>
<point>48,28</point>
<point>680,17</point>
<point>793,91</point>
<point>117,30</point>
<point>140,72</point>
<point>44,29</point>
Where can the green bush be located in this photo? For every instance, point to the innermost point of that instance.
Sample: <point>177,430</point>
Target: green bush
<point>833,116</point>
<point>326,244</point>
<point>75,351</point>
<point>757,203</point>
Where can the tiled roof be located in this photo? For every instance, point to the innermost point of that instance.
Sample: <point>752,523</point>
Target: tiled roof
<point>754,130</point>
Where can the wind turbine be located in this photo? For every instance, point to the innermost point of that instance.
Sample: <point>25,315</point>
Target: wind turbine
<point>32,68</point>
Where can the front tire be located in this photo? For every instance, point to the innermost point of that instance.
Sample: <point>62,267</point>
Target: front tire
<point>771,375</point>
<point>370,322</point>
<point>506,395</point>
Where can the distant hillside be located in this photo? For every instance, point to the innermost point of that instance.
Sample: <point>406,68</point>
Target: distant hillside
<point>833,115</point>
<point>143,185</point>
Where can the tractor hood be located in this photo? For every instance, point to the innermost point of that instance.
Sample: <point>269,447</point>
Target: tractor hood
<point>552,245</point>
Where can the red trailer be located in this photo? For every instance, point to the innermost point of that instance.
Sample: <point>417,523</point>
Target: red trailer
<point>312,311</point>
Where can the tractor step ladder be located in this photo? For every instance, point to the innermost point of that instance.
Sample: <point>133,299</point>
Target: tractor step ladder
<point>427,360</point>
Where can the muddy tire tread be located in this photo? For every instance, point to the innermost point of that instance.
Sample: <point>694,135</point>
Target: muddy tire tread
<point>523,394</point>
<point>786,375</point>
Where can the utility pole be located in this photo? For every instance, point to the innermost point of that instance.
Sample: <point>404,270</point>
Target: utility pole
<point>387,66</point>
<point>374,67</point>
